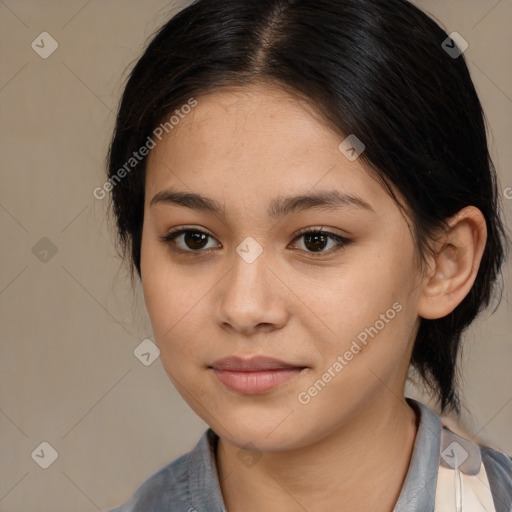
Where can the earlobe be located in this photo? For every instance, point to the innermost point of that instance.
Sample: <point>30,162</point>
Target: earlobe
<point>457,255</point>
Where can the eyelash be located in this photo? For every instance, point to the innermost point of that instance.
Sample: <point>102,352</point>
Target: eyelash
<point>169,239</point>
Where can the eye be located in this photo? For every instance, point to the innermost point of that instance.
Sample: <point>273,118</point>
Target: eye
<point>187,240</point>
<point>315,240</point>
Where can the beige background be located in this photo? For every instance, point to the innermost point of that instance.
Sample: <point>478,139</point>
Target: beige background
<point>69,325</point>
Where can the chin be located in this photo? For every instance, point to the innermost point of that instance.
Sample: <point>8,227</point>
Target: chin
<point>265,434</point>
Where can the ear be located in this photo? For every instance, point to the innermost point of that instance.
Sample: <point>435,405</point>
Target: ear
<point>454,265</point>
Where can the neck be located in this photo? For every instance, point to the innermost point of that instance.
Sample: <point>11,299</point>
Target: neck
<point>349,470</point>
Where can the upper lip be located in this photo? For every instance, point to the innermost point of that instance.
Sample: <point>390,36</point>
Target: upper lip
<point>252,364</point>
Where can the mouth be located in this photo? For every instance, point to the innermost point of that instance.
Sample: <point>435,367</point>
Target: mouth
<point>255,375</point>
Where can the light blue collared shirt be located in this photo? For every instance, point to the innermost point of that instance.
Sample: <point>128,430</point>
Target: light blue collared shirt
<point>190,483</point>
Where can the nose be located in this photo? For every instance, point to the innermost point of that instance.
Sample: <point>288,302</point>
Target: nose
<point>252,297</point>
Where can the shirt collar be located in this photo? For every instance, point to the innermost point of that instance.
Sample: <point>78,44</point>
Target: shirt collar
<point>418,491</point>
<point>203,479</point>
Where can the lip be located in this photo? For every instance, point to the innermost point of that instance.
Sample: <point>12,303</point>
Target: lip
<point>255,375</point>
<point>252,364</point>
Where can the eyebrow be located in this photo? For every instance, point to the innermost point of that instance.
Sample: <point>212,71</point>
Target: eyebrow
<point>279,207</point>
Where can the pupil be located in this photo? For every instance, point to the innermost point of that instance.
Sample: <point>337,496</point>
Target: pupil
<point>319,241</point>
<point>195,240</point>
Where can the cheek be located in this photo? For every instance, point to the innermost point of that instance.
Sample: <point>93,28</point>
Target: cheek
<point>368,358</point>
<point>175,305</point>
<point>361,292</point>
<point>370,312</point>
<point>170,308</point>
<point>162,286</point>
<point>159,286</point>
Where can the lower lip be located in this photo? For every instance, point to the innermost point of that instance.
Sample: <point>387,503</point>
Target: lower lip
<point>251,383</point>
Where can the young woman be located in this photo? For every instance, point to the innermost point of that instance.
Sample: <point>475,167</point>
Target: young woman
<point>305,191</point>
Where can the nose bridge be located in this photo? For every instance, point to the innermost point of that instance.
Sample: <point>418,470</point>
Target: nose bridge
<point>248,297</point>
<point>249,268</point>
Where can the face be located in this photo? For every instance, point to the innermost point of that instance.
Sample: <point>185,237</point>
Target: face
<point>337,307</point>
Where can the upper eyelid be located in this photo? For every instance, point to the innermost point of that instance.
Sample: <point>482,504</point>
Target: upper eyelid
<point>322,229</point>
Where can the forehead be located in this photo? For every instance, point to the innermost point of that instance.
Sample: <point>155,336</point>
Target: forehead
<point>245,117</point>
<point>238,141</point>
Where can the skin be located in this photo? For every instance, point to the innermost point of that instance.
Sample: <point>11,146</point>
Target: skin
<point>244,148</point>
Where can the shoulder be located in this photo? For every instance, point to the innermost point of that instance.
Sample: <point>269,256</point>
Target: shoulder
<point>497,461</point>
<point>187,483</point>
<point>473,460</point>
<point>498,467</point>
<point>168,486</point>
